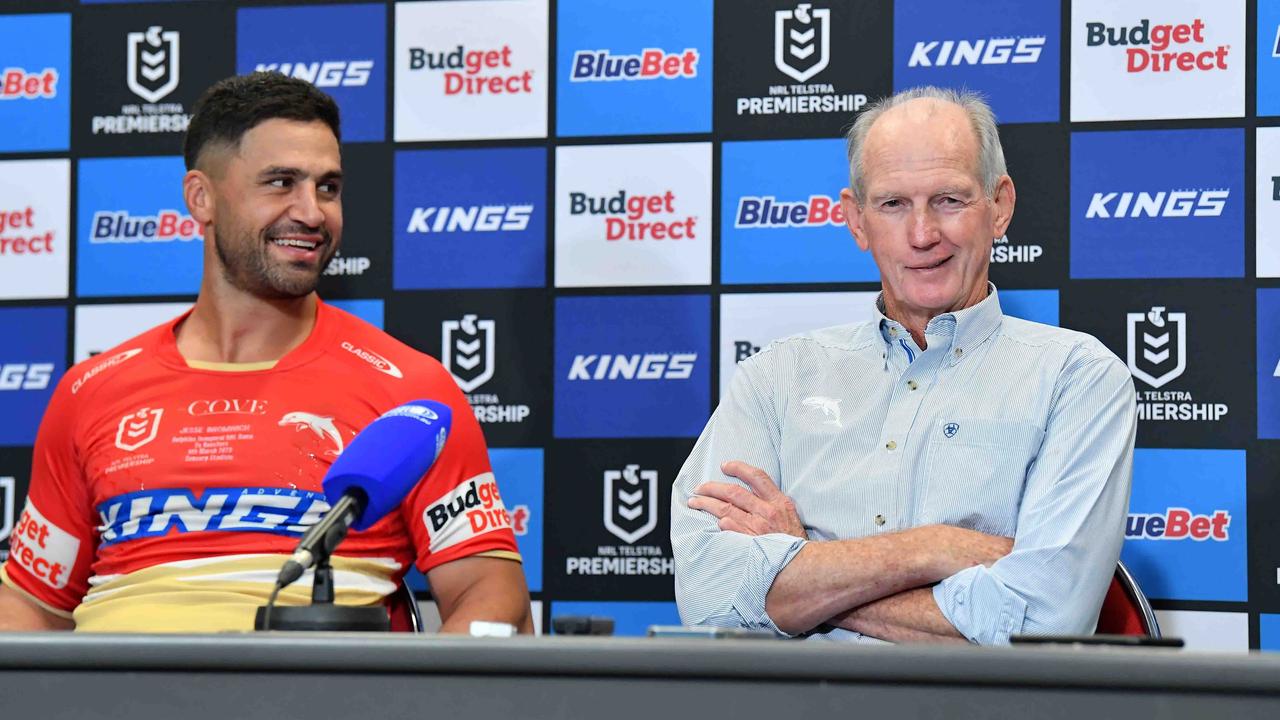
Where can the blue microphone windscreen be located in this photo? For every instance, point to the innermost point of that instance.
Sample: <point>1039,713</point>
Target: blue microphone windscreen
<point>388,457</point>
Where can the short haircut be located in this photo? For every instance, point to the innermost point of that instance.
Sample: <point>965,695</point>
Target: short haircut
<point>991,164</point>
<point>233,106</point>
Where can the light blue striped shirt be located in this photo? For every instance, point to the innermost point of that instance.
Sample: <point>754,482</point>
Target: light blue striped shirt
<point>1001,425</point>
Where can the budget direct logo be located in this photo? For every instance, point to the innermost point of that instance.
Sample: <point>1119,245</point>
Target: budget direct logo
<point>1269,363</point>
<point>470,218</point>
<point>1141,60</point>
<point>339,49</point>
<point>632,366</point>
<point>471,70</point>
<point>32,362</point>
<point>132,240</point>
<point>1142,204</point>
<point>781,219</point>
<point>623,71</point>
<point>1185,533</point>
<point>633,215</point>
<point>1007,50</point>
<point>34,237</point>
<point>35,83</point>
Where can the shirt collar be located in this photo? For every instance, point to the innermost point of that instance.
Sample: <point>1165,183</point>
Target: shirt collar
<point>962,330</point>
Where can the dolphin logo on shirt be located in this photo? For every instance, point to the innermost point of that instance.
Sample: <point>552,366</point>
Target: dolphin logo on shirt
<point>321,426</point>
<point>830,408</point>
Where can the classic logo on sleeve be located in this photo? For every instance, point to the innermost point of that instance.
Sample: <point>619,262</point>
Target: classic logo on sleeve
<point>43,549</point>
<point>469,511</point>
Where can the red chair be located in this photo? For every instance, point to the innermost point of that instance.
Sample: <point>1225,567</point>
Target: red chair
<point>1125,610</point>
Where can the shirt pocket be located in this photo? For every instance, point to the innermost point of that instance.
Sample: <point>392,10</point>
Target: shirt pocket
<point>975,471</point>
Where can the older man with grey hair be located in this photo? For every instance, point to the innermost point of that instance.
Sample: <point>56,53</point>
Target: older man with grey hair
<point>940,473</point>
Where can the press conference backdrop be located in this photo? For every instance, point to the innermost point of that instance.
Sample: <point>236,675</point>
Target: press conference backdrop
<point>590,211</point>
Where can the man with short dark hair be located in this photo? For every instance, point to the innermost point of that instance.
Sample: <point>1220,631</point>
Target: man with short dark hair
<point>173,474</point>
<point>942,473</point>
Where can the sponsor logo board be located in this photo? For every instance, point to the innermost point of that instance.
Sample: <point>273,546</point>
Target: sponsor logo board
<point>519,473</point>
<point>1007,50</point>
<point>340,49</point>
<point>135,236</point>
<point>1268,59</point>
<point>35,83</point>
<point>1204,631</point>
<point>625,72</point>
<point>470,218</point>
<point>370,311</point>
<point>1143,202</point>
<point>1269,363</point>
<point>101,327</point>
<point>632,366</point>
<point>1267,201</point>
<point>31,364</point>
<point>633,215</point>
<point>1185,535</point>
<point>471,71</point>
<point>1154,59</point>
<point>34,232</point>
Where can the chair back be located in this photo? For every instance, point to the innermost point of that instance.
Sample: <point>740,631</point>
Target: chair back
<point>1125,609</point>
<point>402,607</point>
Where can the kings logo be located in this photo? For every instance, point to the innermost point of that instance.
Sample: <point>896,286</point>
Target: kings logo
<point>1157,346</point>
<point>468,346</point>
<point>153,63</point>
<point>801,41</point>
<point>8,490</point>
<point>138,429</point>
<point>630,502</point>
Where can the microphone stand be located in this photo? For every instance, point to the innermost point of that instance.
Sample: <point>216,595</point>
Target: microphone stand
<point>322,614</point>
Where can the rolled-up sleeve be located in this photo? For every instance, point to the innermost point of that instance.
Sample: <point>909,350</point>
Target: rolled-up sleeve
<point>722,577</point>
<point>1071,521</point>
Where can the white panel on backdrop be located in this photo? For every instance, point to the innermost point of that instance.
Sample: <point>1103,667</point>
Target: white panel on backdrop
<point>750,321</point>
<point>34,237</point>
<point>1207,631</point>
<point>101,327</point>
<point>633,215</point>
<point>1151,59</point>
<point>431,616</point>
<point>471,70</point>
<point>1268,202</point>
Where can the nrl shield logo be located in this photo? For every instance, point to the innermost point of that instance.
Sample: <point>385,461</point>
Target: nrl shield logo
<point>630,502</point>
<point>153,63</point>
<point>138,429</point>
<point>467,346</point>
<point>1157,346</point>
<point>7,489</point>
<point>801,41</point>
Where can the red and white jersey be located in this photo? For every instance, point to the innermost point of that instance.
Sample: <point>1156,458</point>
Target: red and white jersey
<point>153,476</point>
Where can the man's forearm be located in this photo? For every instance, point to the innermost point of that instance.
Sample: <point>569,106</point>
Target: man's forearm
<point>910,616</point>
<point>19,614</point>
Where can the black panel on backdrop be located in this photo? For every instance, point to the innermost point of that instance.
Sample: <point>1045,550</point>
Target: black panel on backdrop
<point>1263,491</point>
<point>1033,253</point>
<point>788,70</point>
<point>139,70</point>
<point>497,344</point>
<point>15,470</point>
<point>362,269</point>
<point>608,533</point>
<point>1182,343</point>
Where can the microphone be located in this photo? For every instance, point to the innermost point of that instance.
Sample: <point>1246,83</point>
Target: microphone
<point>371,477</point>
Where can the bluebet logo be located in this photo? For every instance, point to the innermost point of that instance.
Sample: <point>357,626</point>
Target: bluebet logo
<point>18,84</point>
<point>35,82</point>
<point>650,64</point>
<point>152,513</point>
<point>983,51</point>
<point>768,211</point>
<point>337,48</point>
<point>1179,524</point>
<point>1143,202</point>
<point>122,227</point>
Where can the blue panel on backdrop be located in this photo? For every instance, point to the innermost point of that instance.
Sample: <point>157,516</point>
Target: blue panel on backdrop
<point>642,66</point>
<point>1186,530</point>
<point>629,618</point>
<point>1008,50</point>
<point>632,366</point>
<point>1157,204</point>
<point>519,475</point>
<point>1269,57</point>
<point>780,217</point>
<point>35,82</point>
<point>340,49</point>
<point>1269,363</point>
<point>370,311</point>
<point>470,218</point>
<point>1269,632</point>
<point>33,357</point>
<point>134,235</point>
<point>1035,305</point>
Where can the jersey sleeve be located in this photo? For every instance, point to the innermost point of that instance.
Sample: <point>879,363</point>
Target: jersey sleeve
<point>456,510</point>
<point>52,546</point>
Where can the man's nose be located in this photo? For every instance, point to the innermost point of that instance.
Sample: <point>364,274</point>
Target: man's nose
<point>924,228</point>
<point>306,207</point>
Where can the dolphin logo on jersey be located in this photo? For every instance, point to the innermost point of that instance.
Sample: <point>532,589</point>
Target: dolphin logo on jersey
<point>321,426</point>
<point>830,408</point>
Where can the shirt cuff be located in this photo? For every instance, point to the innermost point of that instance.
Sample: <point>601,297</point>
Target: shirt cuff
<point>769,554</point>
<point>980,607</point>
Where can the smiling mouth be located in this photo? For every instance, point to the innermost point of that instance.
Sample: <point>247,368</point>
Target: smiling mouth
<point>938,264</point>
<point>296,243</point>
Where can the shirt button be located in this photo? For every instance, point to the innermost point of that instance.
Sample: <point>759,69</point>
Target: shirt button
<point>893,332</point>
<point>959,352</point>
<point>879,520</point>
<point>912,384</point>
<point>891,445</point>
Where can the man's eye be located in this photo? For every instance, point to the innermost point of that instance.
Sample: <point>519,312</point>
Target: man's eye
<point>331,188</point>
<point>891,203</point>
<point>280,182</point>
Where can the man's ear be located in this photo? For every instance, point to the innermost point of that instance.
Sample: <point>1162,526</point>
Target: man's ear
<point>852,216</point>
<point>1004,199</point>
<point>197,191</point>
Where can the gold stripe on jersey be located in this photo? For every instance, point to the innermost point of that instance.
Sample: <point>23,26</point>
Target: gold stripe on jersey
<point>230,367</point>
